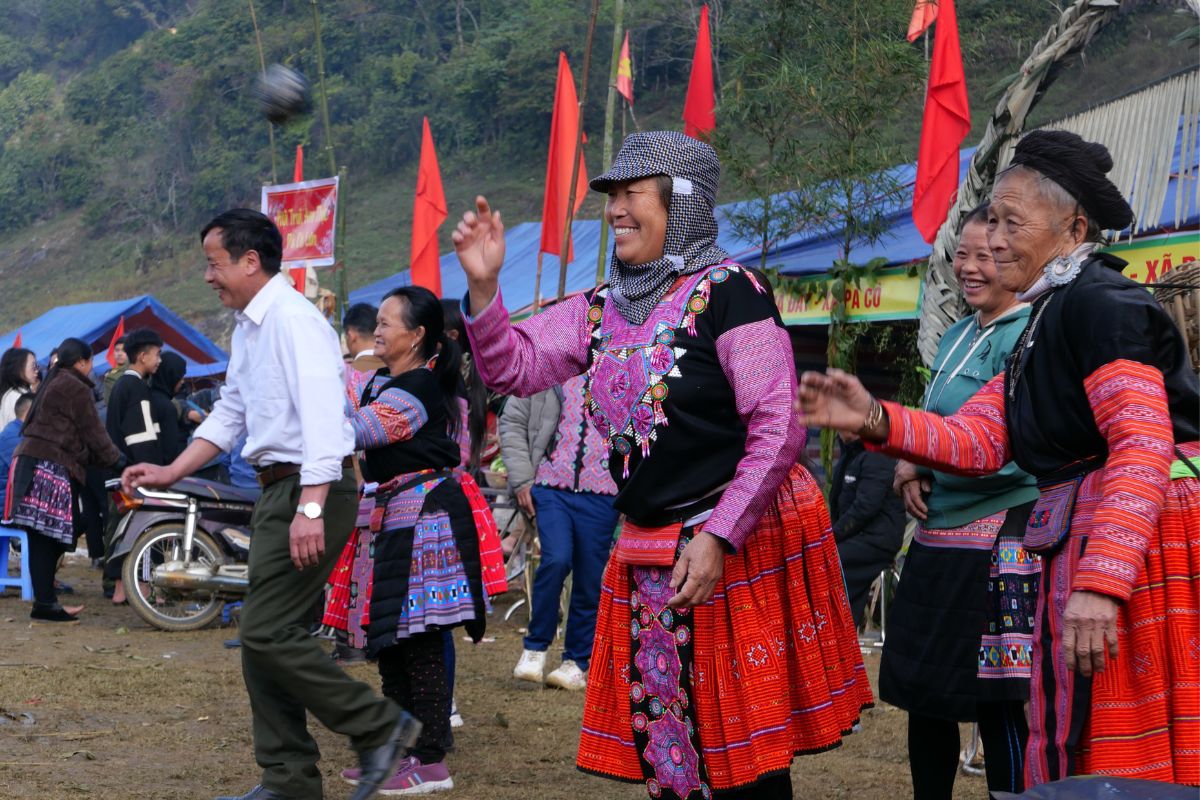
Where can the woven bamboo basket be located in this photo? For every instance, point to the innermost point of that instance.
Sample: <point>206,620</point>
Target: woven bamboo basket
<point>1180,296</point>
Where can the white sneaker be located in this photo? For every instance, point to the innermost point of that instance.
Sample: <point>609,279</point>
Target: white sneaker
<point>568,676</point>
<point>531,666</point>
<point>456,720</point>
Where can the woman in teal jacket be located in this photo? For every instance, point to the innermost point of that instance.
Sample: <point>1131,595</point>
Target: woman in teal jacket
<point>960,629</point>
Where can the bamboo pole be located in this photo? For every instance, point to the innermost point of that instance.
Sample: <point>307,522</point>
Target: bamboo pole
<point>328,129</point>
<point>262,63</point>
<point>339,298</point>
<point>609,110</point>
<point>564,250</point>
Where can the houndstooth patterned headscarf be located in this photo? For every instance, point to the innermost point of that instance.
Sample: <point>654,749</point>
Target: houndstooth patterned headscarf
<point>691,235</point>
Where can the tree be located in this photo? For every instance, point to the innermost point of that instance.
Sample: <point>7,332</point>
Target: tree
<point>812,91</point>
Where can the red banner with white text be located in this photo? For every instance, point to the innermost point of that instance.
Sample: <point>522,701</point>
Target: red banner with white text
<point>306,215</point>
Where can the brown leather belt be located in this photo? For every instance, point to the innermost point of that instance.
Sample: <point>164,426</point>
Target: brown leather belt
<point>274,473</point>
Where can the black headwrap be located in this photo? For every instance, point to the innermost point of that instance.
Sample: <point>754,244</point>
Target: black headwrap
<point>169,373</point>
<point>1079,167</point>
<point>691,235</point>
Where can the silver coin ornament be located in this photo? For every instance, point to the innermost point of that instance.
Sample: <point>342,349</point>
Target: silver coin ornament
<point>282,94</point>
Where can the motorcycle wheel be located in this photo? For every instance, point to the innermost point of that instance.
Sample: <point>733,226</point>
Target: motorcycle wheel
<point>163,608</point>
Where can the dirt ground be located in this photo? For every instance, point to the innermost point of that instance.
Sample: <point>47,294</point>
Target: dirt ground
<point>113,709</point>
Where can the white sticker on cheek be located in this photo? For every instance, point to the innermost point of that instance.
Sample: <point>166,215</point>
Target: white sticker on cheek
<point>681,186</point>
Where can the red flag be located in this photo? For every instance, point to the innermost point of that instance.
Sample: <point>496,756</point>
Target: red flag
<point>429,212</point>
<point>699,117</point>
<point>111,356</point>
<point>564,132</point>
<point>924,13</point>
<point>298,173</point>
<point>946,123</point>
<point>17,341</point>
<point>625,72</point>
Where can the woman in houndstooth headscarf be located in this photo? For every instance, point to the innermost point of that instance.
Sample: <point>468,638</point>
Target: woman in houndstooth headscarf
<point>724,642</point>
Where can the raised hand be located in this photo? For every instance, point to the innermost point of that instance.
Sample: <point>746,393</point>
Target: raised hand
<point>835,400</point>
<point>479,243</point>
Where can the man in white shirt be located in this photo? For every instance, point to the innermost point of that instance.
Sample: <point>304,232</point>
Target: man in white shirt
<point>283,391</point>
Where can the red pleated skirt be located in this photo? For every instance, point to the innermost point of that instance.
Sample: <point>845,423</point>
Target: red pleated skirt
<point>777,671</point>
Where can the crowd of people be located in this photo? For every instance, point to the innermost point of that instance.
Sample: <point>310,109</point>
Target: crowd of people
<point>652,430</point>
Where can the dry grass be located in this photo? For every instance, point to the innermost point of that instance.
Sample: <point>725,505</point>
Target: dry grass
<point>125,712</point>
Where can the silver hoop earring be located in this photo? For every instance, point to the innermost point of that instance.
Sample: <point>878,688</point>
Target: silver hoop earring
<point>1062,270</point>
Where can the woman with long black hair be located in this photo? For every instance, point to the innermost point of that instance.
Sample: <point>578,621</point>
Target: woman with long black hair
<point>18,376</point>
<point>412,568</point>
<point>63,436</point>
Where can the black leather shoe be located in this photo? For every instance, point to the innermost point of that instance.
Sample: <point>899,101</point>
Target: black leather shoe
<point>259,792</point>
<point>378,764</point>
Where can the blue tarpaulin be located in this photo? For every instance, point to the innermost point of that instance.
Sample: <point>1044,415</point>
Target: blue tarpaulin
<point>95,324</point>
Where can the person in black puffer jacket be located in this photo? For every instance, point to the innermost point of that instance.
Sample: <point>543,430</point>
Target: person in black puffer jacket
<point>868,517</point>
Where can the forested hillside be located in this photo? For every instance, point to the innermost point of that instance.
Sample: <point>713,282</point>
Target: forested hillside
<point>125,124</point>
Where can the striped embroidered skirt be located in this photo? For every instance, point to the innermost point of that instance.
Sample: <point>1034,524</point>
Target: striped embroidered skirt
<point>41,499</point>
<point>960,630</point>
<point>1140,717</point>
<point>422,568</point>
<point>719,696</point>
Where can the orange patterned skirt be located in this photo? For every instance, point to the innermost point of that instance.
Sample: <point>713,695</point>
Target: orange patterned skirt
<point>775,666</point>
<point>1140,717</point>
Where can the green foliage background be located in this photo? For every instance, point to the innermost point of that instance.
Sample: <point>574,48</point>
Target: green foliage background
<point>124,124</point>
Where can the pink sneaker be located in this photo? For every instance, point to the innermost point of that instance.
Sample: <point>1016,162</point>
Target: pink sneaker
<point>413,777</point>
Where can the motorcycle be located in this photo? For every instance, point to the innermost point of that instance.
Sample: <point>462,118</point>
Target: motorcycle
<point>186,550</point>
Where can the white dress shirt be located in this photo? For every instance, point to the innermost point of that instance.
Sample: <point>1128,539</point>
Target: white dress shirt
<point>283,388</point>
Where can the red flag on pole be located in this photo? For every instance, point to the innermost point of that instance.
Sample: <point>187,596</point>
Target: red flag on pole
<point>625,72</point>
<point>699,116</point>
<point>946,123</point>
<point>300,274</point>
<point>111,356</point>
<point>924,13</point>
<point>17,341</point>
<point>429,212</point>
<point>564,130</point>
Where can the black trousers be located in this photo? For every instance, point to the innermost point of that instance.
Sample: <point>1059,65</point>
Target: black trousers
<point>414,675</point>
<point>933,750</point>
<point>775,787</point>
<point>44,553</point>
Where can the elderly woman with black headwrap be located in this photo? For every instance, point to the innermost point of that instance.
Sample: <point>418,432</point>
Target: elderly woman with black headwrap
<point>724,643</point>
<point>1099,403</point>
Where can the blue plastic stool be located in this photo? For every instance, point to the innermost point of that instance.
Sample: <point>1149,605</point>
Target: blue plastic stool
<point>22,580</point>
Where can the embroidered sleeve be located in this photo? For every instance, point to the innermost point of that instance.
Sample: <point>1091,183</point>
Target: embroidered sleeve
<point>974,441</point>
<point>757,361</point>
<point>392,417</point>
<point>530,357</point>
<point>1129,404</point>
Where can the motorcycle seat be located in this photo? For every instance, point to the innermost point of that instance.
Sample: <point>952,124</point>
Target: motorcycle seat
<point>221,492</point>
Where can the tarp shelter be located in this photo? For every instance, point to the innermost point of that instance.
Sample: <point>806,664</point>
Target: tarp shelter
<point>95,323</point>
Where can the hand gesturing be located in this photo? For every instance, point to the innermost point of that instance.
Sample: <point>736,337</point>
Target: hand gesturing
<point>479,243</point>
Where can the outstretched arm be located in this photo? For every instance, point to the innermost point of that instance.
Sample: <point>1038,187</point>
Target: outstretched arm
<point>542,351</point>
<point>974,441</point>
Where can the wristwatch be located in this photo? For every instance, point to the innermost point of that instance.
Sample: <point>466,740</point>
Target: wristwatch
<point>310,510</point>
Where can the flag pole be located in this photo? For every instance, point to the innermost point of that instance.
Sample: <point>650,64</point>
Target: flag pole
<point>262,63</point>
<point>537,284</point>
<point>565,250</point>
<point>609,110</point>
